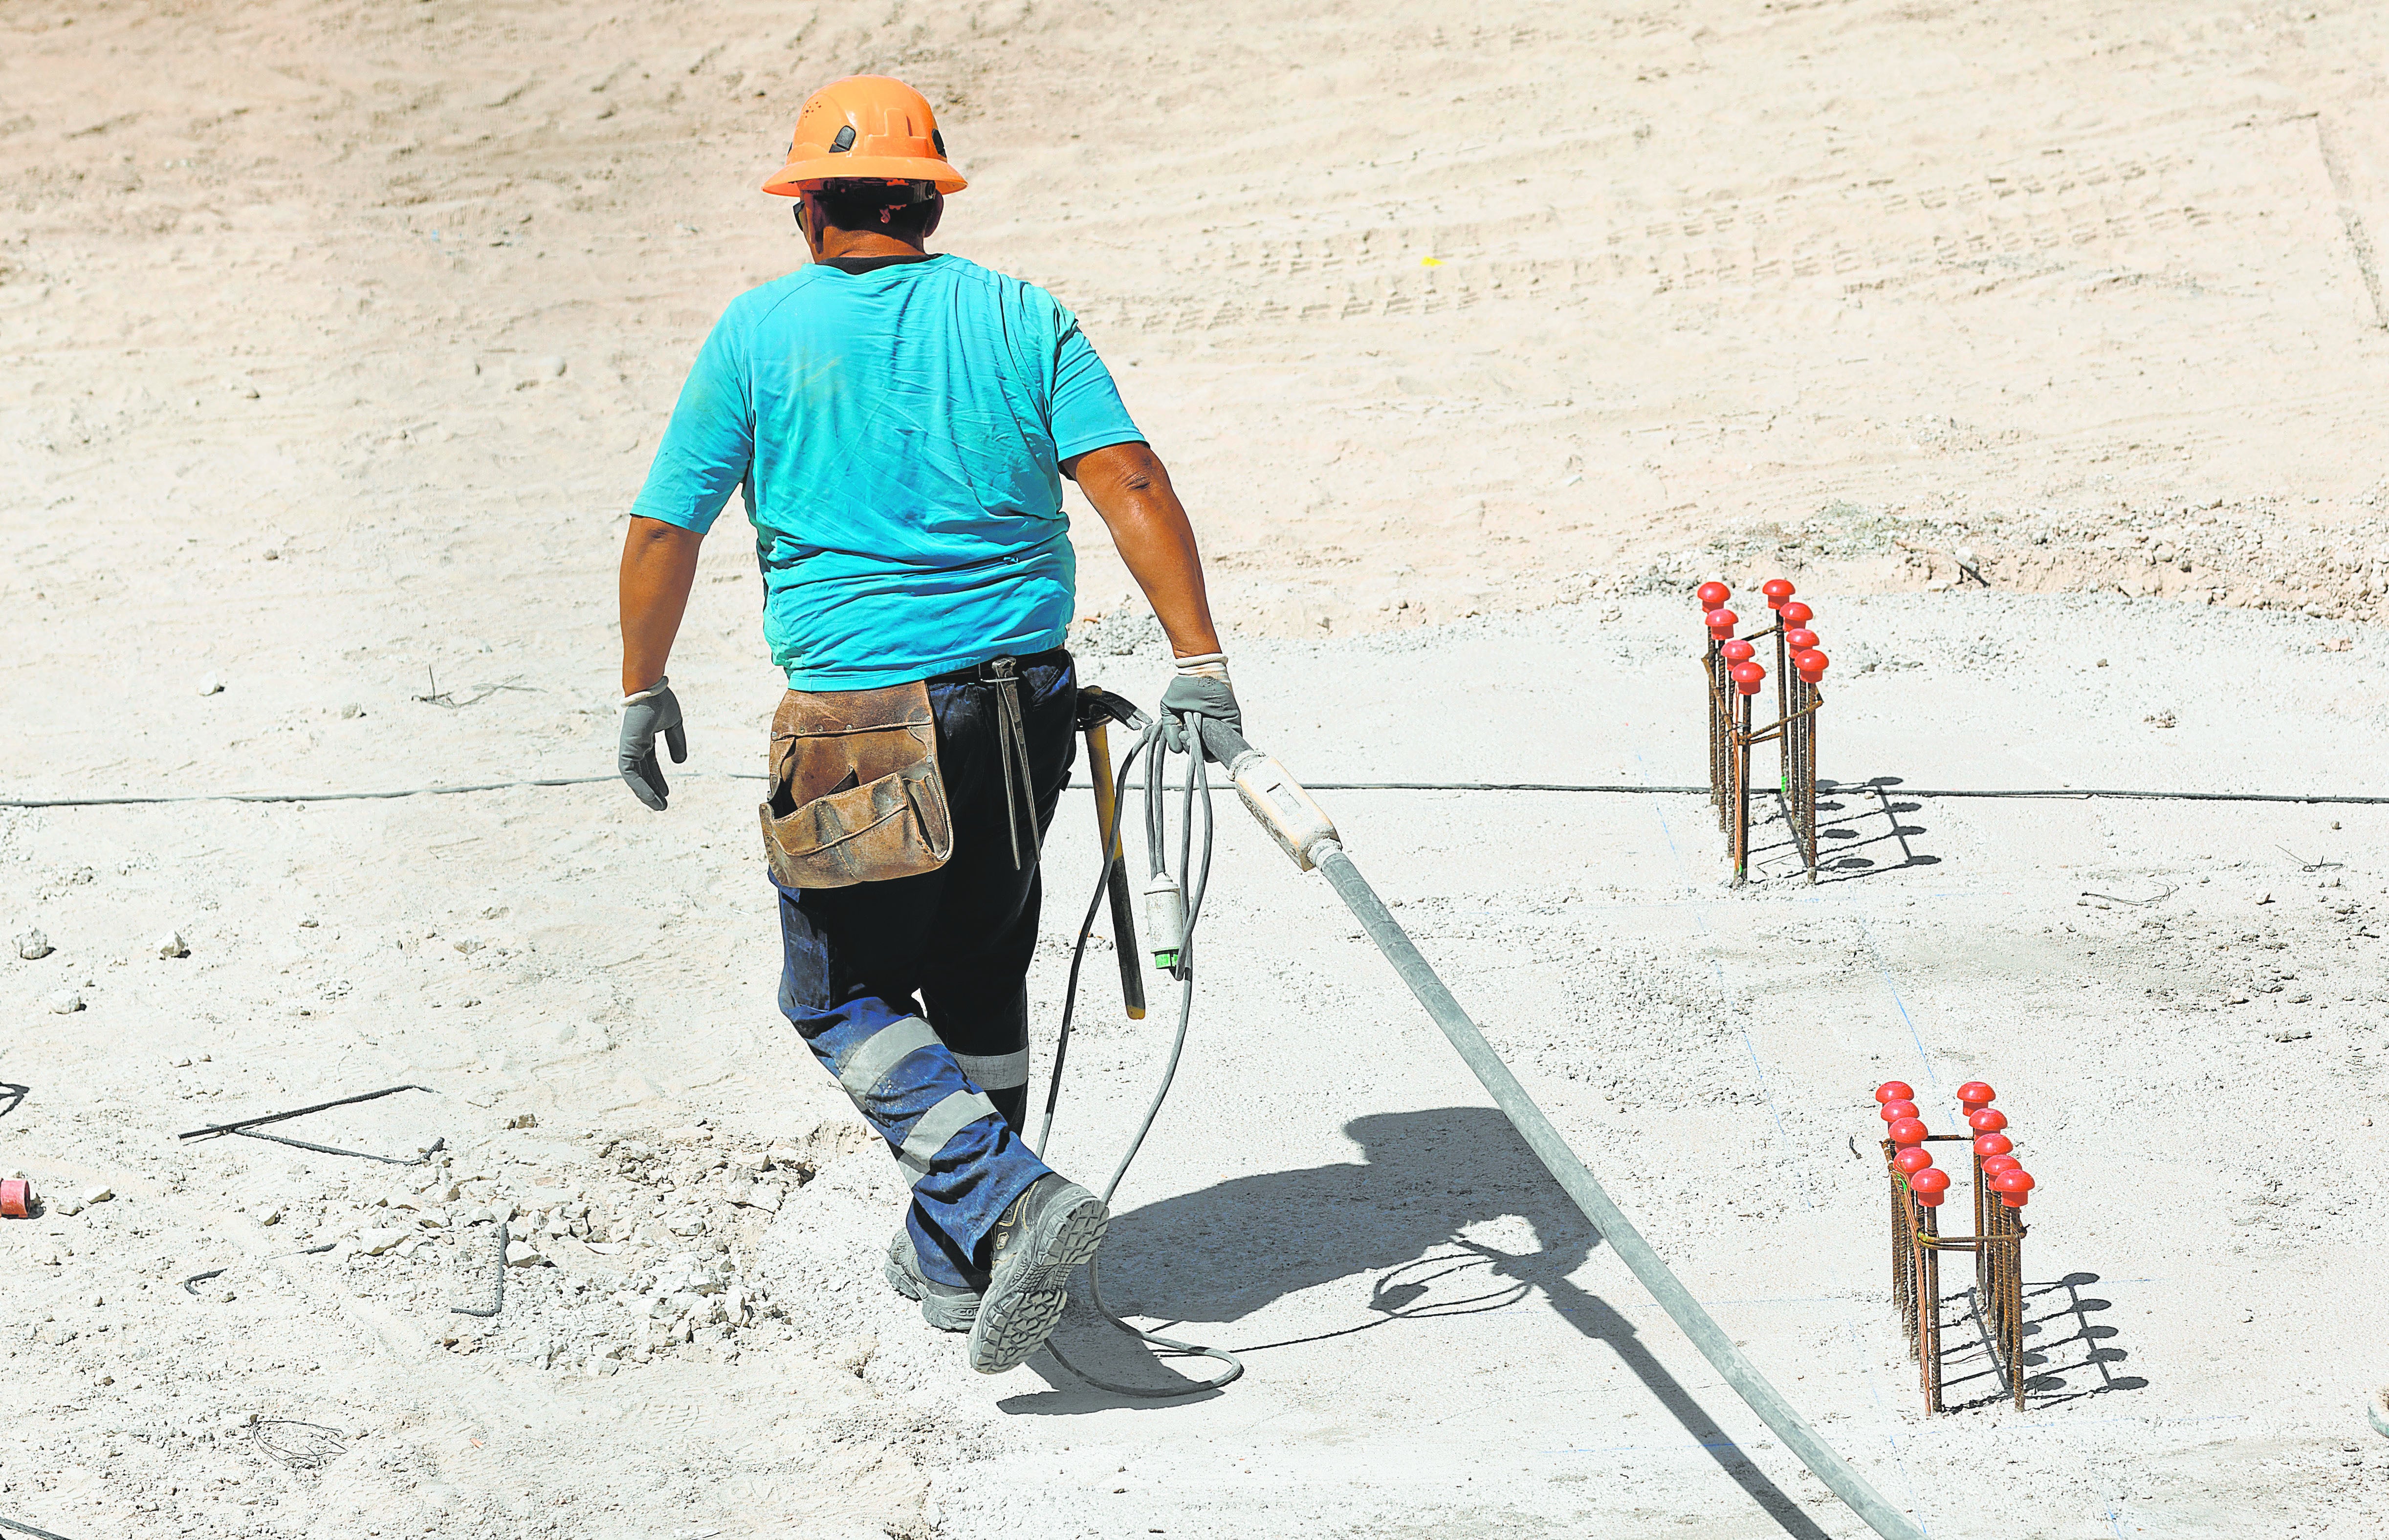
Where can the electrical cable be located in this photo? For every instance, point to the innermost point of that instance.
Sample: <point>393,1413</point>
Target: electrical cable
<point>1193,879</point>
<point>2044,794</point>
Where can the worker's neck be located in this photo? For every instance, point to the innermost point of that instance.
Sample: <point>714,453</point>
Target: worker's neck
<point>835,242</point>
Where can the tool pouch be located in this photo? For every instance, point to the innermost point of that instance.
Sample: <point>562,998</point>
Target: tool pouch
<point>856,796</point>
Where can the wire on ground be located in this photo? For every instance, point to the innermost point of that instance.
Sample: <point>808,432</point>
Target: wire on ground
<point>28,1529</point>
<point>2058,793</point>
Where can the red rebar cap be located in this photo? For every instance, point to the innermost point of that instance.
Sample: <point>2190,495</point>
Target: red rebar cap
<point>1929,1184</point>
<point>1998,1163</point>
<point>1812,665</point>
<point>1777,589</point>
<point>1712,595</point>
<point>1986,1120</point>
<point>1896,1110</point>
<point>1747,677</point>
<point>2013,1187</point>
<point>15,1199</point>
<point>1908,1162</point>
<point>1737,651</point>
<point>1894,1091</point>
<point>1908,1130</point>
<point>1722,622</point>
<point>1796,614</point>
<point>1993,1144</point>
<point>1974,1093</point>
<point>1800,639</point>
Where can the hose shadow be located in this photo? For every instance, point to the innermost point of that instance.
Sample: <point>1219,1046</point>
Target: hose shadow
<point>1449,1214</point>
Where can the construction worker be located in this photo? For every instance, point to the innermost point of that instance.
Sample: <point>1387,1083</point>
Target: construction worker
<point>900,422</point>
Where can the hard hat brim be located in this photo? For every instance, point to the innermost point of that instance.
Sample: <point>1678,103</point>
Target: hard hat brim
<point>792,178</point>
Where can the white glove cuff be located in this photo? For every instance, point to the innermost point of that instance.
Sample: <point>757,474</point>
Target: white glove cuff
<point>650,693</point>
<point>1203,666</point>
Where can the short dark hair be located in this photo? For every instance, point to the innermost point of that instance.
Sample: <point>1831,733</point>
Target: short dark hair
<point>858,206</point>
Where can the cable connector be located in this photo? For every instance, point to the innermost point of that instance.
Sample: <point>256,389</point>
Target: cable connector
<point>1165,921</point>
<point>1285,808</point>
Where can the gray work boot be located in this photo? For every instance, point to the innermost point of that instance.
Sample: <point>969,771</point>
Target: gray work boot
<point>947,1306</point>
<point>1048,1230</point>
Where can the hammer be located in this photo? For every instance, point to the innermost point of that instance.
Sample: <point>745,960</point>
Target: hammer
<point>1096,709</point>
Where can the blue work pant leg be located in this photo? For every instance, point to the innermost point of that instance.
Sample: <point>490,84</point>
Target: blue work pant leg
<point>964,1161</point>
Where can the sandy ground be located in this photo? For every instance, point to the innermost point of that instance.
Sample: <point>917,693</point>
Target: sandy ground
<point>1430,313</point>
<point>2180,1004</point>
<point>333,340</point>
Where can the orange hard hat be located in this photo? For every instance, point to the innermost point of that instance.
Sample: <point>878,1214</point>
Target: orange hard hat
<point>866,128</point>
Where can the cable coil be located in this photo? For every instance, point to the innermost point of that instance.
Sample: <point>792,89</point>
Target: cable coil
<point>1191,881</point>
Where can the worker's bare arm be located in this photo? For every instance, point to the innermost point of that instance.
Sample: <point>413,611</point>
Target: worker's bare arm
<point>659,566</point>
<point>1131,489</point>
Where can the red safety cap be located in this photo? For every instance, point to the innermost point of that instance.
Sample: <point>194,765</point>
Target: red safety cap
<point>1800,639</point>
<point>1796,614</point>
<point>1893,1111</point>
<point>1812,665</point>
<point>1777,589</point>
<point>1712,595</point>
<point>15,1199</point>
<point>1737,651</point>
<point>1908,1162</point>
<point>1894,1091</point>
<point>1974,1093</point>
<point>1986,1120</point>
<point>1929,1183</point>
<point>1998,1163</point>
<point>1722,622</point>
<point>1748,678</point>
<point>2016,1179</point>
<point>1908,1130</point>
<point>1993,1144</point>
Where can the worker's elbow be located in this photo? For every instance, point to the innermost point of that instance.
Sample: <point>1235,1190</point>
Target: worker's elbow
<point>1140,471</point>
<point>1130,469</point>
<point>653,534</point>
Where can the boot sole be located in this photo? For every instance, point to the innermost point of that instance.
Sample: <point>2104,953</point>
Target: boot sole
<point>943,1312</point>
<point>1024,1301</point>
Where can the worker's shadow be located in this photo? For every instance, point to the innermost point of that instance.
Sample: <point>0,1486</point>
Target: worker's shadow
<point>1427,1214</point>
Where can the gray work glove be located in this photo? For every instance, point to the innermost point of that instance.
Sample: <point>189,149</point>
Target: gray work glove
<point>652,710</point>
<point>1191,696</point>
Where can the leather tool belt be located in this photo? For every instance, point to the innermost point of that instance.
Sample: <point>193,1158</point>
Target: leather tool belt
<point>856,796</point>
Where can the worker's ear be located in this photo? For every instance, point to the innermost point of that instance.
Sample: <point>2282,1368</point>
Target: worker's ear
<point>937,212</point>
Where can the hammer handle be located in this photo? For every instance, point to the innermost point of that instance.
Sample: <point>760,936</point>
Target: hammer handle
<point>1099,766</point>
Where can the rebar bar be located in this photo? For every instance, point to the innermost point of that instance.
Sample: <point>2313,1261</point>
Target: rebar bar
<point>1742,793</point>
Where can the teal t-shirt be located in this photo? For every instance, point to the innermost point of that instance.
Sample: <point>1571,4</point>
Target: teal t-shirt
<point>899,434</point>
